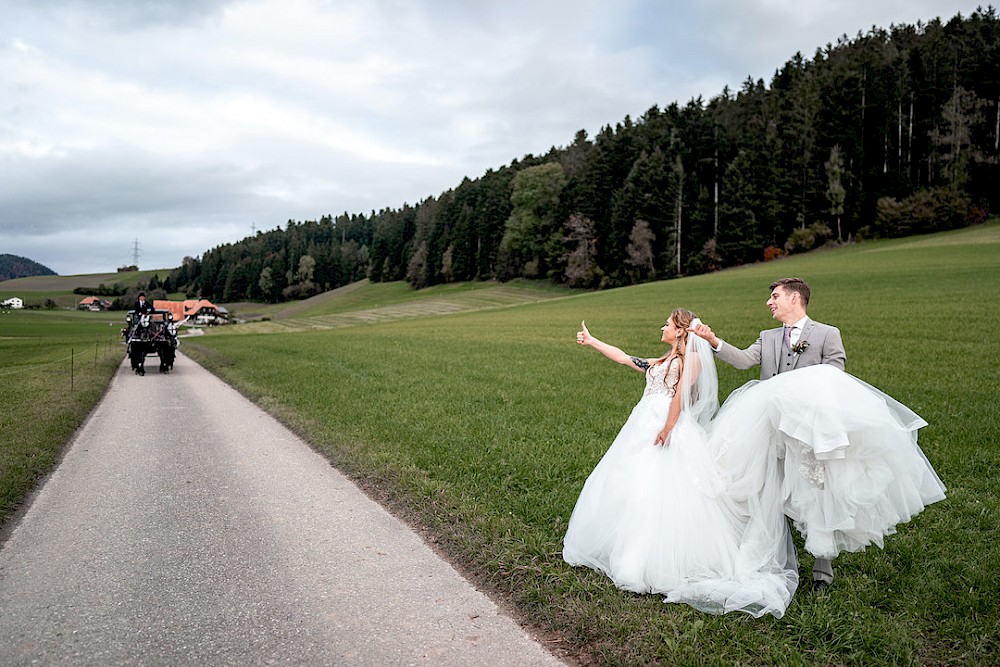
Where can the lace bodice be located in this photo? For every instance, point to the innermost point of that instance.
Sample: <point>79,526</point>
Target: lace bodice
<point>661,379</point>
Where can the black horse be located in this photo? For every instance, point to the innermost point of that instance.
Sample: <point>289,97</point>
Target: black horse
<point>151,333</point>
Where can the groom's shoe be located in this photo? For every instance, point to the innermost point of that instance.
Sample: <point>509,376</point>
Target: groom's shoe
<point>822,575</point>
<point>820,586</point>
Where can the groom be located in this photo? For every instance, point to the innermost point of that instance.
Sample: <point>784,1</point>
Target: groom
<point>799,343</point>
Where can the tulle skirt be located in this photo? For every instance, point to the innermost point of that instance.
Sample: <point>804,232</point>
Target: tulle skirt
<point>660,520</point>
<point>845,456</point>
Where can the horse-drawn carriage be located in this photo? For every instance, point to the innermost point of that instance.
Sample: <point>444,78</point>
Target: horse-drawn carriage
<point>150,332</point>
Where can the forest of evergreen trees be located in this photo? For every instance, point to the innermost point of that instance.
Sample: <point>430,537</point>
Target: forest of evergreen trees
<point>15,266</point>
<point>891,133</point>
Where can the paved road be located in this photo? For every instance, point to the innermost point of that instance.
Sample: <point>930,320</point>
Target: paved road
<point>187,527</point>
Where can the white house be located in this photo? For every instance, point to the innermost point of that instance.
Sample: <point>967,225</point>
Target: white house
<point>14,303</point>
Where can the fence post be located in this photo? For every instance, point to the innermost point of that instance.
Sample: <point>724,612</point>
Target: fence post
<point>72,359</point>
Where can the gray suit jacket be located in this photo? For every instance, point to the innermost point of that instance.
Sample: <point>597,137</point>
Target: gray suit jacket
<point>824,347</point>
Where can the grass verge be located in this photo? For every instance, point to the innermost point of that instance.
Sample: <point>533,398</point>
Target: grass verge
<point>54,367</point>
<point>481,428</point>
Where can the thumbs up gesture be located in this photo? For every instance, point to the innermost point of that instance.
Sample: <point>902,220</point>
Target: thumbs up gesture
<point>583,336</point>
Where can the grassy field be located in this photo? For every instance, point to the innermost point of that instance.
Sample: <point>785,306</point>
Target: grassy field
<point>364,302</point>
<point>54,367</point>
<point>68,283</point>
<point>480,427</point>
<point>479,422</point>
<point>36,289</point>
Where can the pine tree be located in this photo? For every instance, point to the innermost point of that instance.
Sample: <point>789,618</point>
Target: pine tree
<point>835,193</point>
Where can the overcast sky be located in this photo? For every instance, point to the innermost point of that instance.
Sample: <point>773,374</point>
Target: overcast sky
<point>180,125</point>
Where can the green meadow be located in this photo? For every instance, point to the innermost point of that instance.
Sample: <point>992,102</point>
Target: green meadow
<point>470,412</point>
<point>54,367</point>
<point>479,428</point>
<point>35,290</point>
<point>364,303</point>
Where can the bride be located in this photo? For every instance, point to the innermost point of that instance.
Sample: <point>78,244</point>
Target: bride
<point>693,508</point>
<point>655,515</point>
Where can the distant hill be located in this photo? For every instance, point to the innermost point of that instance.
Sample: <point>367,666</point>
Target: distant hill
<point>13,266</point>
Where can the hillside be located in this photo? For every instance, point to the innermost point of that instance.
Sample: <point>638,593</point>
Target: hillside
<point>884,135</point>
<point>57,283</point>
<point>480,427</point>
<point>58,291</point>
<point>365,302</point>
<point>15,266</point>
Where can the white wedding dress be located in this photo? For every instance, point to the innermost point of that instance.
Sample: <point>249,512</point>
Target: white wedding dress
<point>659,519</point>
<point>840,456</point>
<point>702,519</point>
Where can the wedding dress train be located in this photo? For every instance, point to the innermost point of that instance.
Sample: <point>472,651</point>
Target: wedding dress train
<point>849,469</point>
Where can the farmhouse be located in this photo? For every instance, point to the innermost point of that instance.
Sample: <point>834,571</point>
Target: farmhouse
<point>93,303</point>
<point>14,303</point>
<point>195,311</point>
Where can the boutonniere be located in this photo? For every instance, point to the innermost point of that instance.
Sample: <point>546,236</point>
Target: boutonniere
<point>800,347</point>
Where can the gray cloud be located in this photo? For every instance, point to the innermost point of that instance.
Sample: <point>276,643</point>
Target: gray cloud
<point>185,124</point>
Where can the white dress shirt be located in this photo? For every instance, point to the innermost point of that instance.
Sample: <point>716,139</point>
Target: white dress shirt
<point>797,329</point>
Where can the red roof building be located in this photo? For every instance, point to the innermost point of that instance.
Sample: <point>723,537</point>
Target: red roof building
<point>93,303</point>
<point>189,308</point>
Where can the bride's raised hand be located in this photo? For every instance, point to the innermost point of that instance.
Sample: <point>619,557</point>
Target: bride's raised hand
<point>583,336</point>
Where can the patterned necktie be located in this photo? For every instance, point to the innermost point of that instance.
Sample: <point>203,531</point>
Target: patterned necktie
<point>788,338</point>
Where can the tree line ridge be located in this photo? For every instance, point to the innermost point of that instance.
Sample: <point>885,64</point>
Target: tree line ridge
<point>889,133</point>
